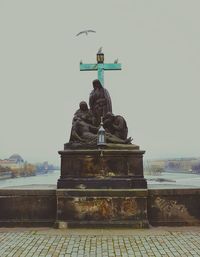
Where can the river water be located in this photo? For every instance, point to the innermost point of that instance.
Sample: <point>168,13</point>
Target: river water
<point>42,179</point>
<point>50,180</point>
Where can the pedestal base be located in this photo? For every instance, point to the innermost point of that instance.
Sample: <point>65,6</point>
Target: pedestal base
<point>102,208</point>
<point>102,187</point>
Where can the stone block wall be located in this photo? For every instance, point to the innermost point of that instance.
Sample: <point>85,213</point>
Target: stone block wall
<point>165,207</point>
<point>174,207</point>
<point>27,207</point>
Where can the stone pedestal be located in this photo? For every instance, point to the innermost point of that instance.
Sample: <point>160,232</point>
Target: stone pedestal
<point>102,187</point>
<point>102,208</point>
<point>102,168</point>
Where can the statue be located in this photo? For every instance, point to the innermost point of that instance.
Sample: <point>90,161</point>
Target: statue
<point>84,130</point>
<point>100,167</point>
<point>99,101</point>
<point>115,125</point>
<point>84,113</point>
<point>85,123</point>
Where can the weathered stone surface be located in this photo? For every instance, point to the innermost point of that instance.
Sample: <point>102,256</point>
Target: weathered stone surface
<point>27,207</point>
<point>173,207</point>
<point>102,207</point>
<point>95,175</point>
<point>107,168</point>
<point>165,207</point>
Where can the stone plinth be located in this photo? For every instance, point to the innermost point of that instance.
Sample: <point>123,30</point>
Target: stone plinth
<point>102,208</point>
<point>102,168</point>
<point>102,187</point>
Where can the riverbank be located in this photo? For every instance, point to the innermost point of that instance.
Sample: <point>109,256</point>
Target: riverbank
<point>5,175</point>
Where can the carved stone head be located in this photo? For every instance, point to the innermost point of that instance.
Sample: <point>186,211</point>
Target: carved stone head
<point>96,84</point>
<point>83,106</point>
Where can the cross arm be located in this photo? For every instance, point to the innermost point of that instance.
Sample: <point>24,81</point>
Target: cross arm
<point>84,66</point>
<point>112,66</point>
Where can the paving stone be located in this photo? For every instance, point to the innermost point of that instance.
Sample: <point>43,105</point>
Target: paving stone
<point>35,244</point>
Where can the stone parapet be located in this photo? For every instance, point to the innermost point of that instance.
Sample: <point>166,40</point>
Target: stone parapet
<point>27,207</point>
<point>116,207</point>
<point>174,207</point>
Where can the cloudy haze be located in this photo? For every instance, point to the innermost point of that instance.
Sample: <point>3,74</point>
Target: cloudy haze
<point>157,91</point>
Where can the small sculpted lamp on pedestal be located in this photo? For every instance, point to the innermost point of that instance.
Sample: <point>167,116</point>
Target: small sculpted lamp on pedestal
<point>101,136</point>
<point>101,143</point>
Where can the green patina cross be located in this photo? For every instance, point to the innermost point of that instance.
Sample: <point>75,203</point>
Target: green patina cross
<point>100,66</point>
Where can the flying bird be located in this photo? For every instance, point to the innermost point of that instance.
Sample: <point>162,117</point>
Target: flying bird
<point>116,61</point>
<point>85,32</point>
<point>100,50</point>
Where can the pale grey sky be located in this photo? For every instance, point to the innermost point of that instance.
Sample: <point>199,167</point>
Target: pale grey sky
<point>157,91</point>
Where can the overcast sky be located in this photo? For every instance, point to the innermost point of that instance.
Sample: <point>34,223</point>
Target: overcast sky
<point>157,91</point>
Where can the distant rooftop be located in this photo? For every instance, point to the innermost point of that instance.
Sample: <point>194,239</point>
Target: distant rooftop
<point>16,158</point>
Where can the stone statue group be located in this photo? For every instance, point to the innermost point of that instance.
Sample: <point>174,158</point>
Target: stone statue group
<point>86,120</point>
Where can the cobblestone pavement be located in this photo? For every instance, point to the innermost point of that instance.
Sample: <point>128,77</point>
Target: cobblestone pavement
<point>97,242</point>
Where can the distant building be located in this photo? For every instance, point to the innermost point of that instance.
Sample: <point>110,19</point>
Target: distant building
<point>176,164</point>
<point>15,161</point>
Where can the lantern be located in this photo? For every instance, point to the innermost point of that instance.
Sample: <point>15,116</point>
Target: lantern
<point>101,136</point>
<point>100,58</point>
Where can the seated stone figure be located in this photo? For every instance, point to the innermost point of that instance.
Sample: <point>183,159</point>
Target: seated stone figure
<point>83,129</point>
<point>116,125</point>
<point>84,113</point>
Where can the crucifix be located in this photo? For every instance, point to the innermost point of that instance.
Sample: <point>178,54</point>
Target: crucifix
<point>100,66</point>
